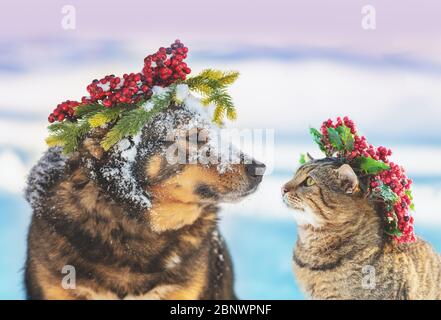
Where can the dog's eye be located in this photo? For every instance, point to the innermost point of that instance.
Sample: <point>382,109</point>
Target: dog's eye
<point>309,182</point>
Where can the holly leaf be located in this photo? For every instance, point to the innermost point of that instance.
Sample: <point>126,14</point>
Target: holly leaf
<point>302,159</point>
<point>409,194</point>
<point>317,136</point>
<point>387,194</point>
<point>393,231</point>
<point>346,137</point>
<point>335,140</point>
<point>392,228</point>
<point>371,166</point>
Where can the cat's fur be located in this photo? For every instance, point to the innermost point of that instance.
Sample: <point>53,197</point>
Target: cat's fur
<point>342,251</point>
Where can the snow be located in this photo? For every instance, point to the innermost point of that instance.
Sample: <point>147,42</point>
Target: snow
<point>182,92</point>
<point>119,172</point>
<point>218,249</point>
<point>123,145</point>
<point>44,174</point>
<point>195,105</point>
<point>158,91</point>
<point>192,116</point>
<point>148,105</point>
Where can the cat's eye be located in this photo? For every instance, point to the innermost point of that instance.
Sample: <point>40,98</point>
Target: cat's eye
<point>309,182</point>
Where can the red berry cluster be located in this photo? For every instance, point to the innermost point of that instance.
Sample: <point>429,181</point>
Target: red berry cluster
<point>395,177</point>
<point>166,66</point>
<point>111,90</point>
<point>361,146</point>
<point>64,110</point>
<point>162,68</point>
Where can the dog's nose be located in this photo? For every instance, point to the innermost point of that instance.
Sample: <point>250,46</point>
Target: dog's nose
<point>255,169</point>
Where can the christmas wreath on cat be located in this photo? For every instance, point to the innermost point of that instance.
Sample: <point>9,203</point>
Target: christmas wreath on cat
<point>385,180</point>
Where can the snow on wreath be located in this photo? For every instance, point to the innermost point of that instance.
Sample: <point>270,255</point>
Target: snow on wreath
<point>125,104</point>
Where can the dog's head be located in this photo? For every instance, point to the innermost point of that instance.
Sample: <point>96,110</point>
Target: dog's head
<point>174,169</point>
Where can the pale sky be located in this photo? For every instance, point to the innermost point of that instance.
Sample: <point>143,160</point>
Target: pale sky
<point>405,27</point>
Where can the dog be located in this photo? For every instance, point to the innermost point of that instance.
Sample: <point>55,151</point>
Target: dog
<point>128,223</point>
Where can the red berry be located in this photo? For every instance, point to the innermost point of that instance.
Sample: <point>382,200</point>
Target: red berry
<point>395,177</point>
<point>107,103</point>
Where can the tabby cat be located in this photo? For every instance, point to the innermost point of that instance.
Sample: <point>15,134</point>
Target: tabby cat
<point>342,251</point>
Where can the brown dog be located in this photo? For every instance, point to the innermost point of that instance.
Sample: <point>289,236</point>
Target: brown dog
<point>128,222</point>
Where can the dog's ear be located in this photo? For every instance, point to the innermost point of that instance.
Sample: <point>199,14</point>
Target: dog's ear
<point>92,144</point>
<point>93,147</point>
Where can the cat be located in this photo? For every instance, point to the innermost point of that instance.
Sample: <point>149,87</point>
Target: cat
<point>342,250</point>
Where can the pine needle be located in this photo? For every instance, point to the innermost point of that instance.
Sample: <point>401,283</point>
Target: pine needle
<point>68,135</point>
<point>81,111</point>
<point>105,116</point>
<point>54,141</point>
<point>229,78</point>
<point>212,86</point>
<point>131,122</point>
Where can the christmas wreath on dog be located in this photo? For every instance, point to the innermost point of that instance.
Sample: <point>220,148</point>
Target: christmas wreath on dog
<point>125,104</point>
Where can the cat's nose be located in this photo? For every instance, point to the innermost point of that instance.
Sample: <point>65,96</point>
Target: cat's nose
<point>284,190</point>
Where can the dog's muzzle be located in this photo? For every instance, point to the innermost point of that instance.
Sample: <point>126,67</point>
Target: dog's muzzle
<point>255,171</point>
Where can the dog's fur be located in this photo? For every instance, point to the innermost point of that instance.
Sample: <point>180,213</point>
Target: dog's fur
<point>120,246</point>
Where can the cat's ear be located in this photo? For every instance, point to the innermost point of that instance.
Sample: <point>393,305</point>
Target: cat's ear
<point>347,178</point>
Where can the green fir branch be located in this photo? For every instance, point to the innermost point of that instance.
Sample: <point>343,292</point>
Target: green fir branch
<point>224,105</point>
<point>87,109</point>
<point>68,135</point>
<point>318,139</point>
<point>163,100</point>
<point>100,118</point>
<point>129,124</point>
<point>212,86</point>
<point>129,120</point>
<point>132,121</point>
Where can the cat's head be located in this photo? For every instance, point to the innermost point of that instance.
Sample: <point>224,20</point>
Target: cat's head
<point>324,192</point>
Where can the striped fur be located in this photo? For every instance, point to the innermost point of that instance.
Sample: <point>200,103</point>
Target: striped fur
<point>345,253</point>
